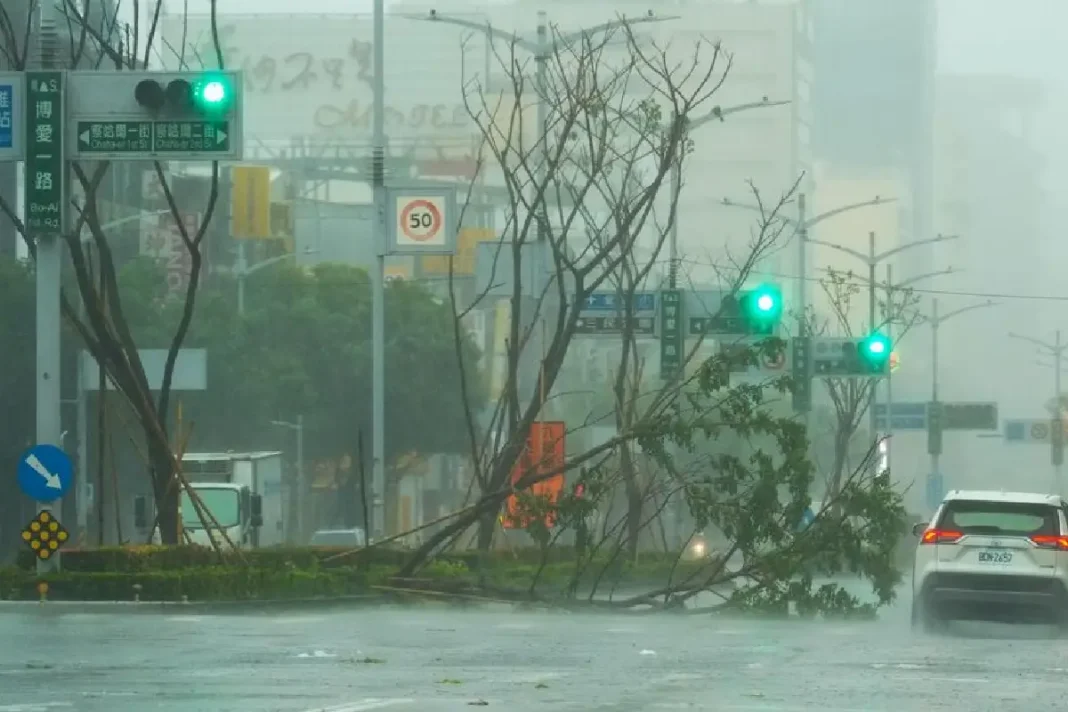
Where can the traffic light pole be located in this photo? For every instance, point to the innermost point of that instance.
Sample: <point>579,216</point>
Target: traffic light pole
<point>1056,439</point>
<point>378,282</point>
<point>934,423</point>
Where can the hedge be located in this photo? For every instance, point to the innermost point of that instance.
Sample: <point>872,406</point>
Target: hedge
<point>215,583</point>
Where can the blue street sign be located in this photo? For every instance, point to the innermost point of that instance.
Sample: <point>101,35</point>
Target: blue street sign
<point>7,116</point>
<point>45,473</point>
<point>613,301</point>
<point>935,490</point>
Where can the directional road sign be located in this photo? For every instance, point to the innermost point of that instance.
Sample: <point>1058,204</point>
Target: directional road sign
<point>423,220</point>
<point>1035,431</point>
<point>44,535</point>
<point>44,204</point>
<point>606,313</point>
<point>641,326</point>
<point>970,416</point>
<point>126,139</point>
<point>616,302</point>
<point>11,116</point>
<point>903,416</point>
<point>45,473</point>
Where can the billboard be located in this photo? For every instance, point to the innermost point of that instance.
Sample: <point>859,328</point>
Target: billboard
<point>162,240</point>
<point>311,76</point>
<point>544,453</point>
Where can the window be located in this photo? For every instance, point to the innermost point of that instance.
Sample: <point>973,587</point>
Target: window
<point>1000,518</point>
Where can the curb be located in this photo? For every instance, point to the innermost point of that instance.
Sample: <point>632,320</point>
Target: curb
<point>175,606</point>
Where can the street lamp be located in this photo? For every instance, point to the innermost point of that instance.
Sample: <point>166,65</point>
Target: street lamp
<point>1056,350</point>
<point>242,271</point>
<point>676,176</point>
<point>298,427</point>
<point>872,259</point>
<point>542,47</point>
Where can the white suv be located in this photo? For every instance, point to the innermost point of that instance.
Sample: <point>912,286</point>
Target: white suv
<point>992,556</point>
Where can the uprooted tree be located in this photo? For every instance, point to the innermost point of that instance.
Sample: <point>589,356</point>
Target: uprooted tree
<point>590,205</point>
<point>94,37</point>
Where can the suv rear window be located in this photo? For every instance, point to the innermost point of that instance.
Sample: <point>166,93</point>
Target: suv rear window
<point>1000,518</point>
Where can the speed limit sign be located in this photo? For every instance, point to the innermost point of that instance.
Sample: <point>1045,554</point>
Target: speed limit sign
<point>422,221</point>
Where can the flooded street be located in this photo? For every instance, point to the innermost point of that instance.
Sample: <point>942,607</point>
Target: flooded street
<point>431,659</point>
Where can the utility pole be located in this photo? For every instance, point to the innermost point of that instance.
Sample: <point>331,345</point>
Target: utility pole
<point>242,271</point>
<point>378,278</point>
<point>872,260</point>
<point>934,408</point>
<point>1056,439</point>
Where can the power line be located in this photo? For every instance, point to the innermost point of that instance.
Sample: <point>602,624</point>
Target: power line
<point>1018,296</point>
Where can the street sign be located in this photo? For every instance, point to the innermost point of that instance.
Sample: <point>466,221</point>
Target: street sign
<point>903,416</point>
<point>127,139</point>
<point>1034,431</point>
<point>423,220</point>
<point>970,416</point>
<point>800,362</point>
<point>607,312</point>
<point>671,336</point>
<point>616,302</point>
<point>643,326</point>
<point>110,119</point>
<point>44,199</point>
<point>11,114</point>
<point>44,535</point>
<point>44,473</point>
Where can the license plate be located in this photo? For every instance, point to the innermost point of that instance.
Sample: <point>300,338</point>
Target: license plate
<point>995,557</point>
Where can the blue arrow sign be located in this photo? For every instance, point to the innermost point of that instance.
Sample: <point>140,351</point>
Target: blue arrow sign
<point>45,473</point>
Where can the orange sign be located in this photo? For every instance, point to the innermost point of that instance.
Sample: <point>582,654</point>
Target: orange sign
<point>544,453</point>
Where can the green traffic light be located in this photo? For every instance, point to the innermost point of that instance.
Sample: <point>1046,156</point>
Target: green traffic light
<point>875,350</point>
<point>764,303</point>
<point>212,93</point>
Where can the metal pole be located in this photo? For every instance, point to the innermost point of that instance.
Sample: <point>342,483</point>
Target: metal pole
<point>539,262</point>
<point>300,480</point>
<point>934,374</point>
<point>82,481</point>
<point>242,271</point>
<point>378,287</point>
<point>889,374</point>
<point>871,326</point>
<point>802,287</point>
<point>673,238</point>
<point>48,270</point>
<point>1058,355</point>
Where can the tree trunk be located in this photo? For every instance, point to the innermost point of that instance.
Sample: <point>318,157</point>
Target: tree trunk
<point>487,527</point>
<point>635,501</point>
<point>166,492</point>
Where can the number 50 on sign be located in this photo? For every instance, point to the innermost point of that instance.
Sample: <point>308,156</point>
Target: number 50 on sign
<point>422,221</point>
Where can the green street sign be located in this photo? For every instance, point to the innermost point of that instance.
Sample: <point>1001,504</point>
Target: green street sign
<point>191,137</point>
<point>671,336</point>
<point>43,206</point>
<point>115,136</point>
<point>969,416</point>
<point>128,138</point>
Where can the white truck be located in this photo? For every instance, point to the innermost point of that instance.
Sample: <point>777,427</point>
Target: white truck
<point>242,490</point>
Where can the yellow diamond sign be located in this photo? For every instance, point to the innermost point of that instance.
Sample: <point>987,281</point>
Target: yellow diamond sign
<point>45,535</point>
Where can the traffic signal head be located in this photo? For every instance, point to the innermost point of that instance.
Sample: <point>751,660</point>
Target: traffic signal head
<point>208,94</point>
<point>762,308</point>
<point>874,352</point>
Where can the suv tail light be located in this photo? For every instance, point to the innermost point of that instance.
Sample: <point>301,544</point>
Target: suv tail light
<point>1051,541</point>
<point>940,536</point>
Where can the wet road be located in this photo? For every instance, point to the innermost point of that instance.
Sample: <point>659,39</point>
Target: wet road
<point>429,659</point>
